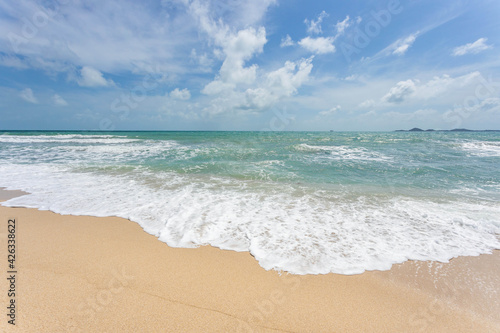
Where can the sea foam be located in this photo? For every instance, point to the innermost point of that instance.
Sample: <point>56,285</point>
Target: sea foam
<point>311,234</point>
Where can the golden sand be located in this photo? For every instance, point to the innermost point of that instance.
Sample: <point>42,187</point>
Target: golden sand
<point>88,274</point>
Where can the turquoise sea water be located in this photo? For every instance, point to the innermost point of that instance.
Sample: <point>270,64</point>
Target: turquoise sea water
<point>304,202</point>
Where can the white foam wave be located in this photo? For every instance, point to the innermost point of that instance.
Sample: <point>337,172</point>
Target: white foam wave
<point>343,152</point>
<point>313,233</point>
<point>482,148</point>
<point>76,150</point>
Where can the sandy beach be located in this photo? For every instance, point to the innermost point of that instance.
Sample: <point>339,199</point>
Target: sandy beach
<point>88,274</point>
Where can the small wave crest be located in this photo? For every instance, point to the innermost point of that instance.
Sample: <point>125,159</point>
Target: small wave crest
<point>343,152</point>
<point>482,148</point>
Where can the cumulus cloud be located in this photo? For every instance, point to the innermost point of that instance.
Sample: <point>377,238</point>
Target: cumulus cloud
<point>239,87</point>
<point>268,90</point>
<point>400,92</point>
<point>28,96</point>
<point>319,45</point>
<point>237,49</point>
<point>183,94</point>
<point>402,45</point>
<point>58,100</point>
<point>280,83</point>
<point>330,112</point>
<point>314,26</point>
<point>473,48</point>
<point>287,41</point>
<point>286,80</point>
<point>91,77</point>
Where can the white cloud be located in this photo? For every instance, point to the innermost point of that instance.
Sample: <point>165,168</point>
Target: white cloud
<point>268,90</point>
<point>400,92</point>
<point>279,84</point>
<point>239,87</point>
<point>237,14</point>
<point>474,48</point>
<point>111,37</point>
<point>58,100</point>
<point>183,94</point>
<point>91,77</point>
<point>437,86</point>
<point>319,45</point>
<point>28,96</point>
<point>237,49</point>
<point>287,41</point>
<point>402,45</point>
<point>217,87</point>
<point>330,112</point>
<point>342,25</point>
<point>286,80</point>
<point>73,35</point>
<point>314,27</point>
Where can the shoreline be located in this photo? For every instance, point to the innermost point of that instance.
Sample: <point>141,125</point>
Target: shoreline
<point>90,274</point>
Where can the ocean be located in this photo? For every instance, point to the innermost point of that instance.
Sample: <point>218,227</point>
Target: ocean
<point>301,202</point>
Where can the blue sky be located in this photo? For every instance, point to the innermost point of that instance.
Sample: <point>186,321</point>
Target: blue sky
<point>258,65</point>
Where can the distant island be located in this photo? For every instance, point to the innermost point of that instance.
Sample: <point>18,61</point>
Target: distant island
<point>416,129</point>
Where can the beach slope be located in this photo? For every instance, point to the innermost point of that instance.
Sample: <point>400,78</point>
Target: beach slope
<point>88,274</point>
